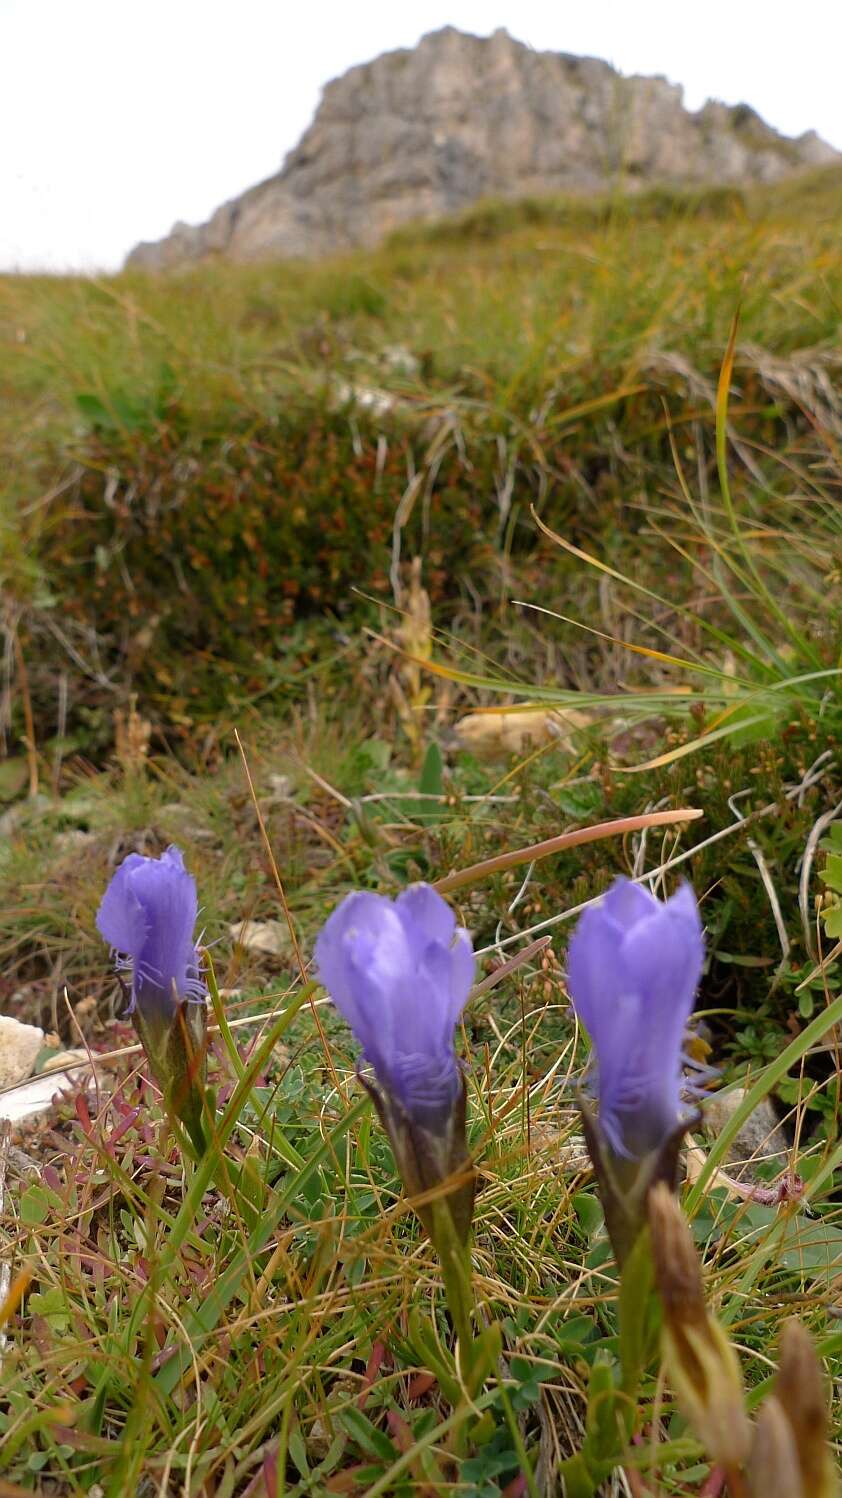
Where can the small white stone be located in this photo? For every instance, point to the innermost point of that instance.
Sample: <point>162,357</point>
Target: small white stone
<point>62,1059</point>
<point>271,937</point>
<point>760,1141</point>
<point>19,1047</point>
<point>37,1094</point>
<point>280,787</point>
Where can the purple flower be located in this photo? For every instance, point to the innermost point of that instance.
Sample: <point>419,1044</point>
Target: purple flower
<point>633,967</point>
<point>400,972</point>
<point>148,916</point>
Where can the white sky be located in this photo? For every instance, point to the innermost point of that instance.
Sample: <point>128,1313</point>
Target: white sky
<point>118,117</point>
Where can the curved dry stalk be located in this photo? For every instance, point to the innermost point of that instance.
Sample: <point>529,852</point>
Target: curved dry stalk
<point>617,827</point>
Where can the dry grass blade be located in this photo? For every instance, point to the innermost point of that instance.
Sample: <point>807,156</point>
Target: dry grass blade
<point>618,827</point>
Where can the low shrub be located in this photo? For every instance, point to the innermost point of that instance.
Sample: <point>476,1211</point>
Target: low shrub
<point>182,548</point>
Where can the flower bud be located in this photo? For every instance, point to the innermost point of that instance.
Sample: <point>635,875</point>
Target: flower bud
<point>792,1428</point>
<point>400,972</point>
<point>625,1183</point>
<point>773,1470</point>
<point>632,969</point>
<point>148,916</point>
<point>699,1360</point>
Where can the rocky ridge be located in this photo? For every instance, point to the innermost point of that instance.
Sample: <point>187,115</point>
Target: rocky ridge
<point>421,133</point>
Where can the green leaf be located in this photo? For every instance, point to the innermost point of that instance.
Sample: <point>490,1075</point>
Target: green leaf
<point>635,1311</point>
<point>34,1206</point>
<point>806,1004</point>
<point>13,777</point>
<point>52,1305</point>
<point>478,1468</point>
<point>372,1441</point>
<point>129,414</point>
<point>298,1452</point>
<point>757,730</point>
<point>432,781</point>
<point>574,1333</point>
<point>94,411</point>
<point>808,1245</point>
<point>589,1212</point>
<point>581,802</point>
<point>603,1441</point>
<point>485,1354</point>
<point>833,920</point>
<point>578,1482</point>
<point>832,872</point>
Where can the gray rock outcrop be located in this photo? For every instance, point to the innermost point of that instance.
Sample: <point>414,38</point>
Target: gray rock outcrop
<point>422,133</point>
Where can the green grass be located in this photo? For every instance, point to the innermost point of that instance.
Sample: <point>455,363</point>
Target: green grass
<point>279,1326</point>
<point>193,461</point>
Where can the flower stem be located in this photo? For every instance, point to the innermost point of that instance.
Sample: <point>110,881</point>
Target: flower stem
<point>454,1258</point>
<point>520,1447</point>
<point>635,1307</point>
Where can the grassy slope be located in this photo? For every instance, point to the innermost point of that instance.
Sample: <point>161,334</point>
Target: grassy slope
<point>524,324</point>
<point>215,412</point>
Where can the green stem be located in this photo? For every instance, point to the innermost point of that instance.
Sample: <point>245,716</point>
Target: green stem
<point>635,1314</point>
<point>222,1018</point>
<point>455,1260</point>
<point>454,1257</point>
<point>520,1448</point>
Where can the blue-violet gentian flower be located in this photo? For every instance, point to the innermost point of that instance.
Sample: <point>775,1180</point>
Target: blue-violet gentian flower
<point>400,971</point>
<point>148,917</point>
<point>633,967</point>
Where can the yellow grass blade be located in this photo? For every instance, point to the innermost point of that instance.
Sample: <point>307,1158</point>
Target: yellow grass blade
<point>448,672</point>
<point>576,551</point>
<point>585,408</point>
<point>722,392</point>
<point>15,1295</point>
<point>689,748</point>
<point>651,653</point>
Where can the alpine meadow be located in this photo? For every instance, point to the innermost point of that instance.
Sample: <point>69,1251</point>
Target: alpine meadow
<point>421,855</point>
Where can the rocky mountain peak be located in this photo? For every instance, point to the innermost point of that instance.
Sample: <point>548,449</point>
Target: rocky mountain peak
<point>422,132</point>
